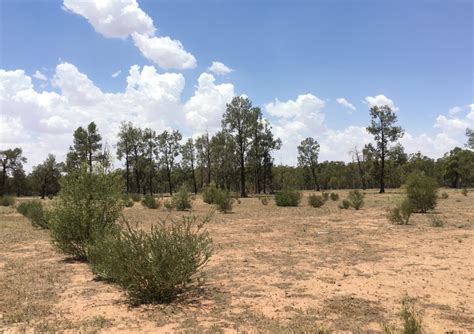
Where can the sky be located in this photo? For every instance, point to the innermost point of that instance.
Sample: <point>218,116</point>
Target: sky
<point>314,67</point>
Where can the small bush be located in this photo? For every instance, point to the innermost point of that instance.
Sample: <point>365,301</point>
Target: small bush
<point>136,197</point>
<point>400,214</point>
<point>464,191</point>
<point>325,196</point>
<point>421,192</point>
<point>209,193</point>
<point>287,197</point>
<point>168,205</point>
<point>182,200</point>
<point>127,201</point>
<point>411,319</point>
<point>436,221</point>
<point>34,211</point>
<point>315,201</point>
<point>444,195</point>
<point>345,204</point>
<point>50,196</point>
<point>264,200</point>
<point>150,202</point>
<point>334,197</point>
<point>87,207</point>
<point>223,200</point>
<point>154,266</point>
<point>7,201</point>
<point>356,199</point>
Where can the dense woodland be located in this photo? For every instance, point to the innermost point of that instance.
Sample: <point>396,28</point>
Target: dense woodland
<point>238,158</point>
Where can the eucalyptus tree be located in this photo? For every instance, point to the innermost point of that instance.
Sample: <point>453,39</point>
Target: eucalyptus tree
<point>239,120</point>
<point>150,150</point>
<point>11,161</point>
<point>308,152</point>
<point>203,157</point>
<point>224,159</point>
<point>383,128</point>
<point>87,147</point>
<point>46,176</point>
<point>188,154</point>
<point>124,149</point>
<point>169,149</point>
<point>268,144</point>
<point>470,138</point>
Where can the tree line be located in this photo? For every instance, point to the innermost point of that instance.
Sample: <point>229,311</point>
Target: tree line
<point>237,158</point>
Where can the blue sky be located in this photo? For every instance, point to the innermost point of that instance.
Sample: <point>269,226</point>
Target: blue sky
<point>416,53</point>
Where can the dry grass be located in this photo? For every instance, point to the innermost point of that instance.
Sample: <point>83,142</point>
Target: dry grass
<point>275,269</point>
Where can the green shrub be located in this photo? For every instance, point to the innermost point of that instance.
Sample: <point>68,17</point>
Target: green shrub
<point>411,319</point>
<point>421,192</point>
<point>50,196</point>
<point>356,199</point>
<point>223,200</point>
<point>150,202</point>
<point>345,204</point>
<point>87,207</point>
<point>34,211</point>
<point>182,200</point>
<point>464,191</point>
<point>436,221</point>
<point>334,197</point>
<point>7,201</point>
<point>444,195</point>
<point>264,200</point>
<point>168,205</point>
<point>325,196</point>
<point>209,193</point>
<point>154,266</point>
<point>401,213</point>
<point>136,197</point>
<point>287,197</point>
<point>127,201</point>
<point>315,201</point>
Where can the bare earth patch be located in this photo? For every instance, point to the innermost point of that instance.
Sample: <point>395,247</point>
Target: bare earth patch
<point>274,270</point>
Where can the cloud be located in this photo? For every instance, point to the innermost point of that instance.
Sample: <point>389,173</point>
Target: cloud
<point>164,51</point>
<point>455,110</point>
<point>113,19</point>
<point>219,68</point>
<point>40,76</point>
<point>342,101</point>
<point>43,122</point>
<point>116,74</point>
<point>120,19</point>
<point>205,108</point>
<point>380,100</point>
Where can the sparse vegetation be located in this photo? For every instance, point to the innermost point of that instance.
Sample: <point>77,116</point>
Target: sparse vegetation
<point>411,319</point>
<point>87,208</point>
<point>223,200</point>
<point>464,191</point>
<point>444,195</point>
<point>35,212</point>
<point>155,266</point>
<point>168,204</point>
<point>315,201</point>
<point>334,197</point>
<point>209,193</point>
<point>287,197</point>
<point>421,192</point>
<point>136,197</point>
<point>7,201</point>
<point>356,199</point>
<point>325,196</point>
<point>264,200</point>
<point>150,202</point>
<point>401,213</point>
<point>182,199</point>
<point>436,221</point>
<point>345,204</point>
<point>127,201</point>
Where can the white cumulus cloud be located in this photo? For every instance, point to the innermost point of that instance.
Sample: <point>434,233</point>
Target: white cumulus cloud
<point>342,101</point>
<point>219,68</point>
<point>123,18</point>
<point>380,100</point>
<point>40,76</point>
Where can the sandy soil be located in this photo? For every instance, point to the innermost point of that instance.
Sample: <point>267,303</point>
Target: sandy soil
<point>274,270</point>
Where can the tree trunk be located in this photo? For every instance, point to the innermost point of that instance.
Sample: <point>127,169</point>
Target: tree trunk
<point>127,164</point>
<point>168,171</point>
<point>315,177</point>
<point>243,193</point>
<point>4,180</point>
<point>194,178</point>
<point>382,172</point>
<point>90,162</point>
